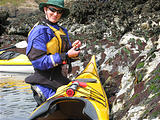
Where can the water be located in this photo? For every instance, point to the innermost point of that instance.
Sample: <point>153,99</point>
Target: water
<point>16,100</point>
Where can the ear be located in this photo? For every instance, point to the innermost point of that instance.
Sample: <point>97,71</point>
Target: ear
<point>45,9</point>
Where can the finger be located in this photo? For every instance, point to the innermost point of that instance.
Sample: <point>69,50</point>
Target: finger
<point>76,43</point>
<point>79,44</point>
<point>74,47</point>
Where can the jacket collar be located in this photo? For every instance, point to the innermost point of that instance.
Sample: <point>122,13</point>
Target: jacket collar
<point>49,22</point>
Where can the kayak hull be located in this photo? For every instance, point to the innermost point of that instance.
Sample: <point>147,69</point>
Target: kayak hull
<point>82,98</point>
<point>16,68</point>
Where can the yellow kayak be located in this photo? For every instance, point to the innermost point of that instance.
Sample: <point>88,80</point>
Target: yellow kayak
<point>15,62</point>
<point>82,99</point>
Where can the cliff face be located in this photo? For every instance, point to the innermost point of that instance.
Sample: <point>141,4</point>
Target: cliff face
<point>125,37</point>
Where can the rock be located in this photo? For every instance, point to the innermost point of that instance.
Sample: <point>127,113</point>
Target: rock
<point>24,23</point>
<point>3,15</point>
<point>3,19</point>
<point>145,26</point>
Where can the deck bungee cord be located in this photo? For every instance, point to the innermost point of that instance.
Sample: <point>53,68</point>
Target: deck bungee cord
<point>92,94</point>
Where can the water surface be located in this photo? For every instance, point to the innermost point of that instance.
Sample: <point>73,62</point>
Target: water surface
<point>16,100</point>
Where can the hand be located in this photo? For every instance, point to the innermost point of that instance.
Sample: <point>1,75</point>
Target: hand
<point>72,53</point>
<point>77,43</point>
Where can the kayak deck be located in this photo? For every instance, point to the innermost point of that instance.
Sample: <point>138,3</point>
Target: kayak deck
<point>13,62</point>
<point>83,98</point>
<point>18,60</point>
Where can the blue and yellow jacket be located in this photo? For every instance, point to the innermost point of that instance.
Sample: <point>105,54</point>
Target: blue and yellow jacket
<point>47,48</point>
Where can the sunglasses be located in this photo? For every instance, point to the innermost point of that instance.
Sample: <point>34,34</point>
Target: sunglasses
<point>54,10</point>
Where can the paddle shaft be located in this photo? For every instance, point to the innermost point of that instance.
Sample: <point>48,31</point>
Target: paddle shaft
<point>11,47</point>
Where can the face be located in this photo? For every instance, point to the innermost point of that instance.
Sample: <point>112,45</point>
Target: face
<point>53,14</point>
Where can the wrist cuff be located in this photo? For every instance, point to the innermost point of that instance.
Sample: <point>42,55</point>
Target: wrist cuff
<point>64,56</point>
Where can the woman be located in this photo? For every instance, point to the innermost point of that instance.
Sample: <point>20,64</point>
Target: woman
<point>49,49</point>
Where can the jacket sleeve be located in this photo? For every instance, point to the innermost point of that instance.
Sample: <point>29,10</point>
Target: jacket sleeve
<point>37,51</point>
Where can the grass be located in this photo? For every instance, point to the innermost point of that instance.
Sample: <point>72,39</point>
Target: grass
<point>11,2</point>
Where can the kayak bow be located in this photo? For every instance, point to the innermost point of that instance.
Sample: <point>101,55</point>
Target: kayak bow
<point>82,99</point>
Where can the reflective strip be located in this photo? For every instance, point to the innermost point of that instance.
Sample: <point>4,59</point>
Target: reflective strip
<point>53,61</point>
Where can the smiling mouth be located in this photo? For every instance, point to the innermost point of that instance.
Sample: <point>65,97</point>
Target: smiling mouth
<point>54,18</point>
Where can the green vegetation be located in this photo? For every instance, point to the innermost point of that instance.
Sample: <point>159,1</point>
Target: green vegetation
<point>11,2</point>
<point>126,51</point>
<point>111,39</point>
<point>154,88</point>
<point>140,65</point>
<point>154,82</point>
<point>134,96</point>
<point>155,114</point>
<point>139,42</point>
<point>140,77</point>
<point>131,40</point>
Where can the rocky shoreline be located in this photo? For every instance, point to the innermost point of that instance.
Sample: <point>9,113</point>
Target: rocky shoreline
<point>124,36</point>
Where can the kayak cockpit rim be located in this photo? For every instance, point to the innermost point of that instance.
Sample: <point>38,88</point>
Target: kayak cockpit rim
<point>66,108</point>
